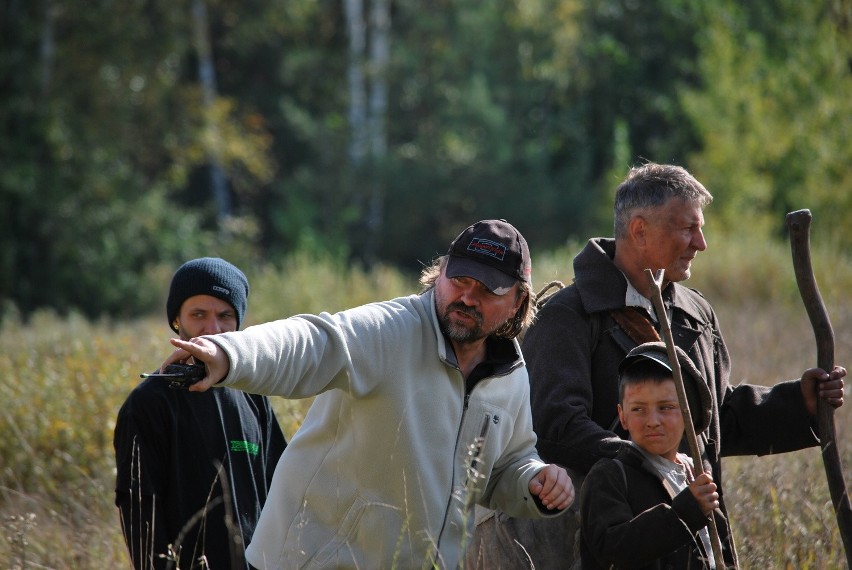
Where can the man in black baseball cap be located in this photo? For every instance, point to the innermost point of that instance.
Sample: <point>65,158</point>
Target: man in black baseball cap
<point>495,254</point>
<point>418,400</point>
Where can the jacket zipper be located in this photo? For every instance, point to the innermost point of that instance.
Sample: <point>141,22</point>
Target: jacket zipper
<point>449,507</point>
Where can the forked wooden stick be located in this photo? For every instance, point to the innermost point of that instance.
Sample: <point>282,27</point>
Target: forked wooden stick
<point>799,223</point>
<point>689,428</point>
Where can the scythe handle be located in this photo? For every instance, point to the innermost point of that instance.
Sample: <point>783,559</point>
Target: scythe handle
<point>799,223</point>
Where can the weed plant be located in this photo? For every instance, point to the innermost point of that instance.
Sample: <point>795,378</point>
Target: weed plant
<point>64,379</point>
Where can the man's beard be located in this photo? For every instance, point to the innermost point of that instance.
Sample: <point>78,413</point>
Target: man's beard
<point>458,332</point>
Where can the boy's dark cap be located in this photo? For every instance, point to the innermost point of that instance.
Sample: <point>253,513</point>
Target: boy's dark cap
<point>494,253</point>
<point>698,394</point>
<point>648,351</point>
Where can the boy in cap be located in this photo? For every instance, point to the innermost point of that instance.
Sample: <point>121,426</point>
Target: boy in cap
<point>193,470</point>
<point>421,410</point>
<point>645,508</point>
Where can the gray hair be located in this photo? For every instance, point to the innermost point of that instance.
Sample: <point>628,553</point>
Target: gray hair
<point>524,316</point>
<point>651,186</point>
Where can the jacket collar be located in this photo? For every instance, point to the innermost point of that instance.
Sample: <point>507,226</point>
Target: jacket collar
<point>603,287</point>
<point>632,456</point>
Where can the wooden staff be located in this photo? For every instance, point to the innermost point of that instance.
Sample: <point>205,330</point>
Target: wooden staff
<point>689,427</point>
<point>799,223</point>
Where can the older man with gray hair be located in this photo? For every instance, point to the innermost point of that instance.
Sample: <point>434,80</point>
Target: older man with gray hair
<point>584,331</point>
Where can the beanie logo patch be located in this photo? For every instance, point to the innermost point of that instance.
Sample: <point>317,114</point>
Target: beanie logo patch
<point>487,247</point>
<point>222,290</point>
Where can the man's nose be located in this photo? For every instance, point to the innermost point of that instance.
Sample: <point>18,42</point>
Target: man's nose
<point>213,326</point>
<point>699,242</point>
<point>470,293</point>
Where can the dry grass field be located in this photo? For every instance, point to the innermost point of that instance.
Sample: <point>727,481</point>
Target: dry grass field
<point>63,380</point>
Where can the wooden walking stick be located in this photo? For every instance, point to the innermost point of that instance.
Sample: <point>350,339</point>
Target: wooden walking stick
<point>688,426</point>
<point>799,223</point>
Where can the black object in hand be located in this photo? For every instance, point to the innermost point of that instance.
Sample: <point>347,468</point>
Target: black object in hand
<point>180,375</point>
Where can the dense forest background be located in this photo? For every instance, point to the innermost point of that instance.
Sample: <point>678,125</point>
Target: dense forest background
<point>137,134</point>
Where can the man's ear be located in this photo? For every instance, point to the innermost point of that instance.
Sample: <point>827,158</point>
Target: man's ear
<point>637,229</point>
<point>520,301</point>
<point>621,417</point>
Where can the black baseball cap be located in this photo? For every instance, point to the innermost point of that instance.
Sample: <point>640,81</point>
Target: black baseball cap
<point>493,252</point>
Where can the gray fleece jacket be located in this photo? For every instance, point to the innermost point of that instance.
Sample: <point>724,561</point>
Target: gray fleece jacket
<point>384,471</point>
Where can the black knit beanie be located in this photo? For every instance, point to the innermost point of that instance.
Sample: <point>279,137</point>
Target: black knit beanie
<point>207,276</point>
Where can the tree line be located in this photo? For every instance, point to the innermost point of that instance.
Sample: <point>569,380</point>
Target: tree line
<point>138,134</point>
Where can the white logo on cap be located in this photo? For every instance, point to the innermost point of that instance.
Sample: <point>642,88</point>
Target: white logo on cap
<point>488,247</point>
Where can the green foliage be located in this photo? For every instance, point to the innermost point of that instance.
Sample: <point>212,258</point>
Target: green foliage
<point>98,136</point>
<point>774,114</point>
<point>530,111</point>
<point>521,118</point>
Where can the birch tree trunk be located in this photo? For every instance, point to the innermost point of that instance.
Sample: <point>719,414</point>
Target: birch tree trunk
<point>368,145</point>
<point>354,13</point>
<point>379,56</point>
<point>207,81</point>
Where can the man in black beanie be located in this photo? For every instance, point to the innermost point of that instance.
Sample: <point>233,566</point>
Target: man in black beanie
<point>208,276</point>
<point>193,470</point>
